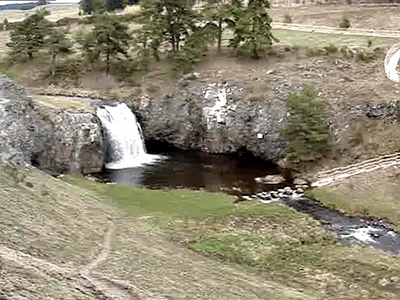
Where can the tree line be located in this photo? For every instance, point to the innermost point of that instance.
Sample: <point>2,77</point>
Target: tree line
<point>165,29</point>
<point>97,6</point>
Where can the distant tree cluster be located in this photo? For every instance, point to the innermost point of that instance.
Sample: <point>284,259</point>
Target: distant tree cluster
<point>95,6</point>
<point>165,29</point>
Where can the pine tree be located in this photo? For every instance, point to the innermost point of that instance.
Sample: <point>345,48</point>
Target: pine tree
<point>109,38</point>
<point>86,6</point>
<point>168,20</point>
<point>252,31</point>
<point>57,43</point>
<point>307,129</point>
<point>29,35</point>
<point>219,14</point>
<point>113,5</point>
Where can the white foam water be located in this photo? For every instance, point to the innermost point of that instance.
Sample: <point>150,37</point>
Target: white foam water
<point>125,143</point>
<point>362,234</point>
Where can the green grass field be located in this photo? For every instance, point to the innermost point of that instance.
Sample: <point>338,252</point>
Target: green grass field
<point>271,240</point>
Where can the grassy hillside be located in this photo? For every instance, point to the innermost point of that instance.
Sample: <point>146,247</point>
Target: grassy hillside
<point>172,245</point>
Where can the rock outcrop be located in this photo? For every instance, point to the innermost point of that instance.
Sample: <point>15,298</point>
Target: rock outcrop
<point>73,142</point>
<point>58,141</point>
<point>216,118</point>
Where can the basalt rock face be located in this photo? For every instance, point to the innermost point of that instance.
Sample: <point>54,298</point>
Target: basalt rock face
<point>216,117</point>
<point>73,142</point>
<point>17,126</point>
<point>58,141</point>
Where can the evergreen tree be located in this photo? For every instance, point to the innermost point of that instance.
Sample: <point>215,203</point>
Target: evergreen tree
<point>86,6</point>
<point>29,35</point>
<point>252,31</point>
<point>168,20</point>
<point>109,38</point>
<point>57,43</point>
<point>218,14</point>
<point>307,129</point>
<point>112,5</point>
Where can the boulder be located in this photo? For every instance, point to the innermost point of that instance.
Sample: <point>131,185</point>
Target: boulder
<point>300,182</point>
<point>270,179</point>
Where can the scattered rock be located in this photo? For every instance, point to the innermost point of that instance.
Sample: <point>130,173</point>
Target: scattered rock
<point>300,182</point>
<point>270,179</point>
<point>385,111</point>
<point>383,282</point>
<point>283,163</point>
<point>275,196</point>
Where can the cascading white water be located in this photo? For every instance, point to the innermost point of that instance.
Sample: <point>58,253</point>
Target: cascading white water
<point>124,140</point>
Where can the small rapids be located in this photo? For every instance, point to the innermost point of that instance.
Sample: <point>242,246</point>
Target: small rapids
<point>348,229</point>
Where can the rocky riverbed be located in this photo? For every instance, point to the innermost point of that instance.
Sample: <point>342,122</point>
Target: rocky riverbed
<point>348,229</point>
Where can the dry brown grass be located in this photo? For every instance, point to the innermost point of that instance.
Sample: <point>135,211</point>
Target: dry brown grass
<point>373,194</point>
<point>60,102</point>
<point>378,18</point>
<point>49,220</point>
<point>57,12</point>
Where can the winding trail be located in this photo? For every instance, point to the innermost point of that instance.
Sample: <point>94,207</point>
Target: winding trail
<point>110,288</point>
<point>334,30</point>
<point>328,177</point>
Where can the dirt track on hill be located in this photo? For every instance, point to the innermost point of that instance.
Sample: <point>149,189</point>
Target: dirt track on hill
<point>106,287</point>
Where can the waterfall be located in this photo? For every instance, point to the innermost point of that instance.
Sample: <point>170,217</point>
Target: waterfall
<point>123,137</point>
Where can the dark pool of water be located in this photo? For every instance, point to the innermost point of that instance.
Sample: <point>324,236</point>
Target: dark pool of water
<point>197,170</point>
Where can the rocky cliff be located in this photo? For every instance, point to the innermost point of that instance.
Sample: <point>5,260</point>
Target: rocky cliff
<point>216,117</point>
<point>57,141</point>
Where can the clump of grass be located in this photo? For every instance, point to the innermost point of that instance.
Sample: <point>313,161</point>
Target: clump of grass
<point>357,138</point>
<point>257,97</point>
<point>366,56</point>
<point>347,52</point>
<point>331,49</point>
<point>287,18</point>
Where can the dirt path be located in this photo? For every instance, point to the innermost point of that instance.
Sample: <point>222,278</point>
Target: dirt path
<point>108,287</point>
<point>333,30</point>
<point>328,177</point>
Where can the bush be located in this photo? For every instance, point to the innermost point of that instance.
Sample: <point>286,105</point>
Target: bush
<point>344,23</point>
<point>307,130</point>
<point>366,56</point>
<point>331,49</point>
<point>287,18</point>
<point>68,73</point>
<point>66,21</point>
